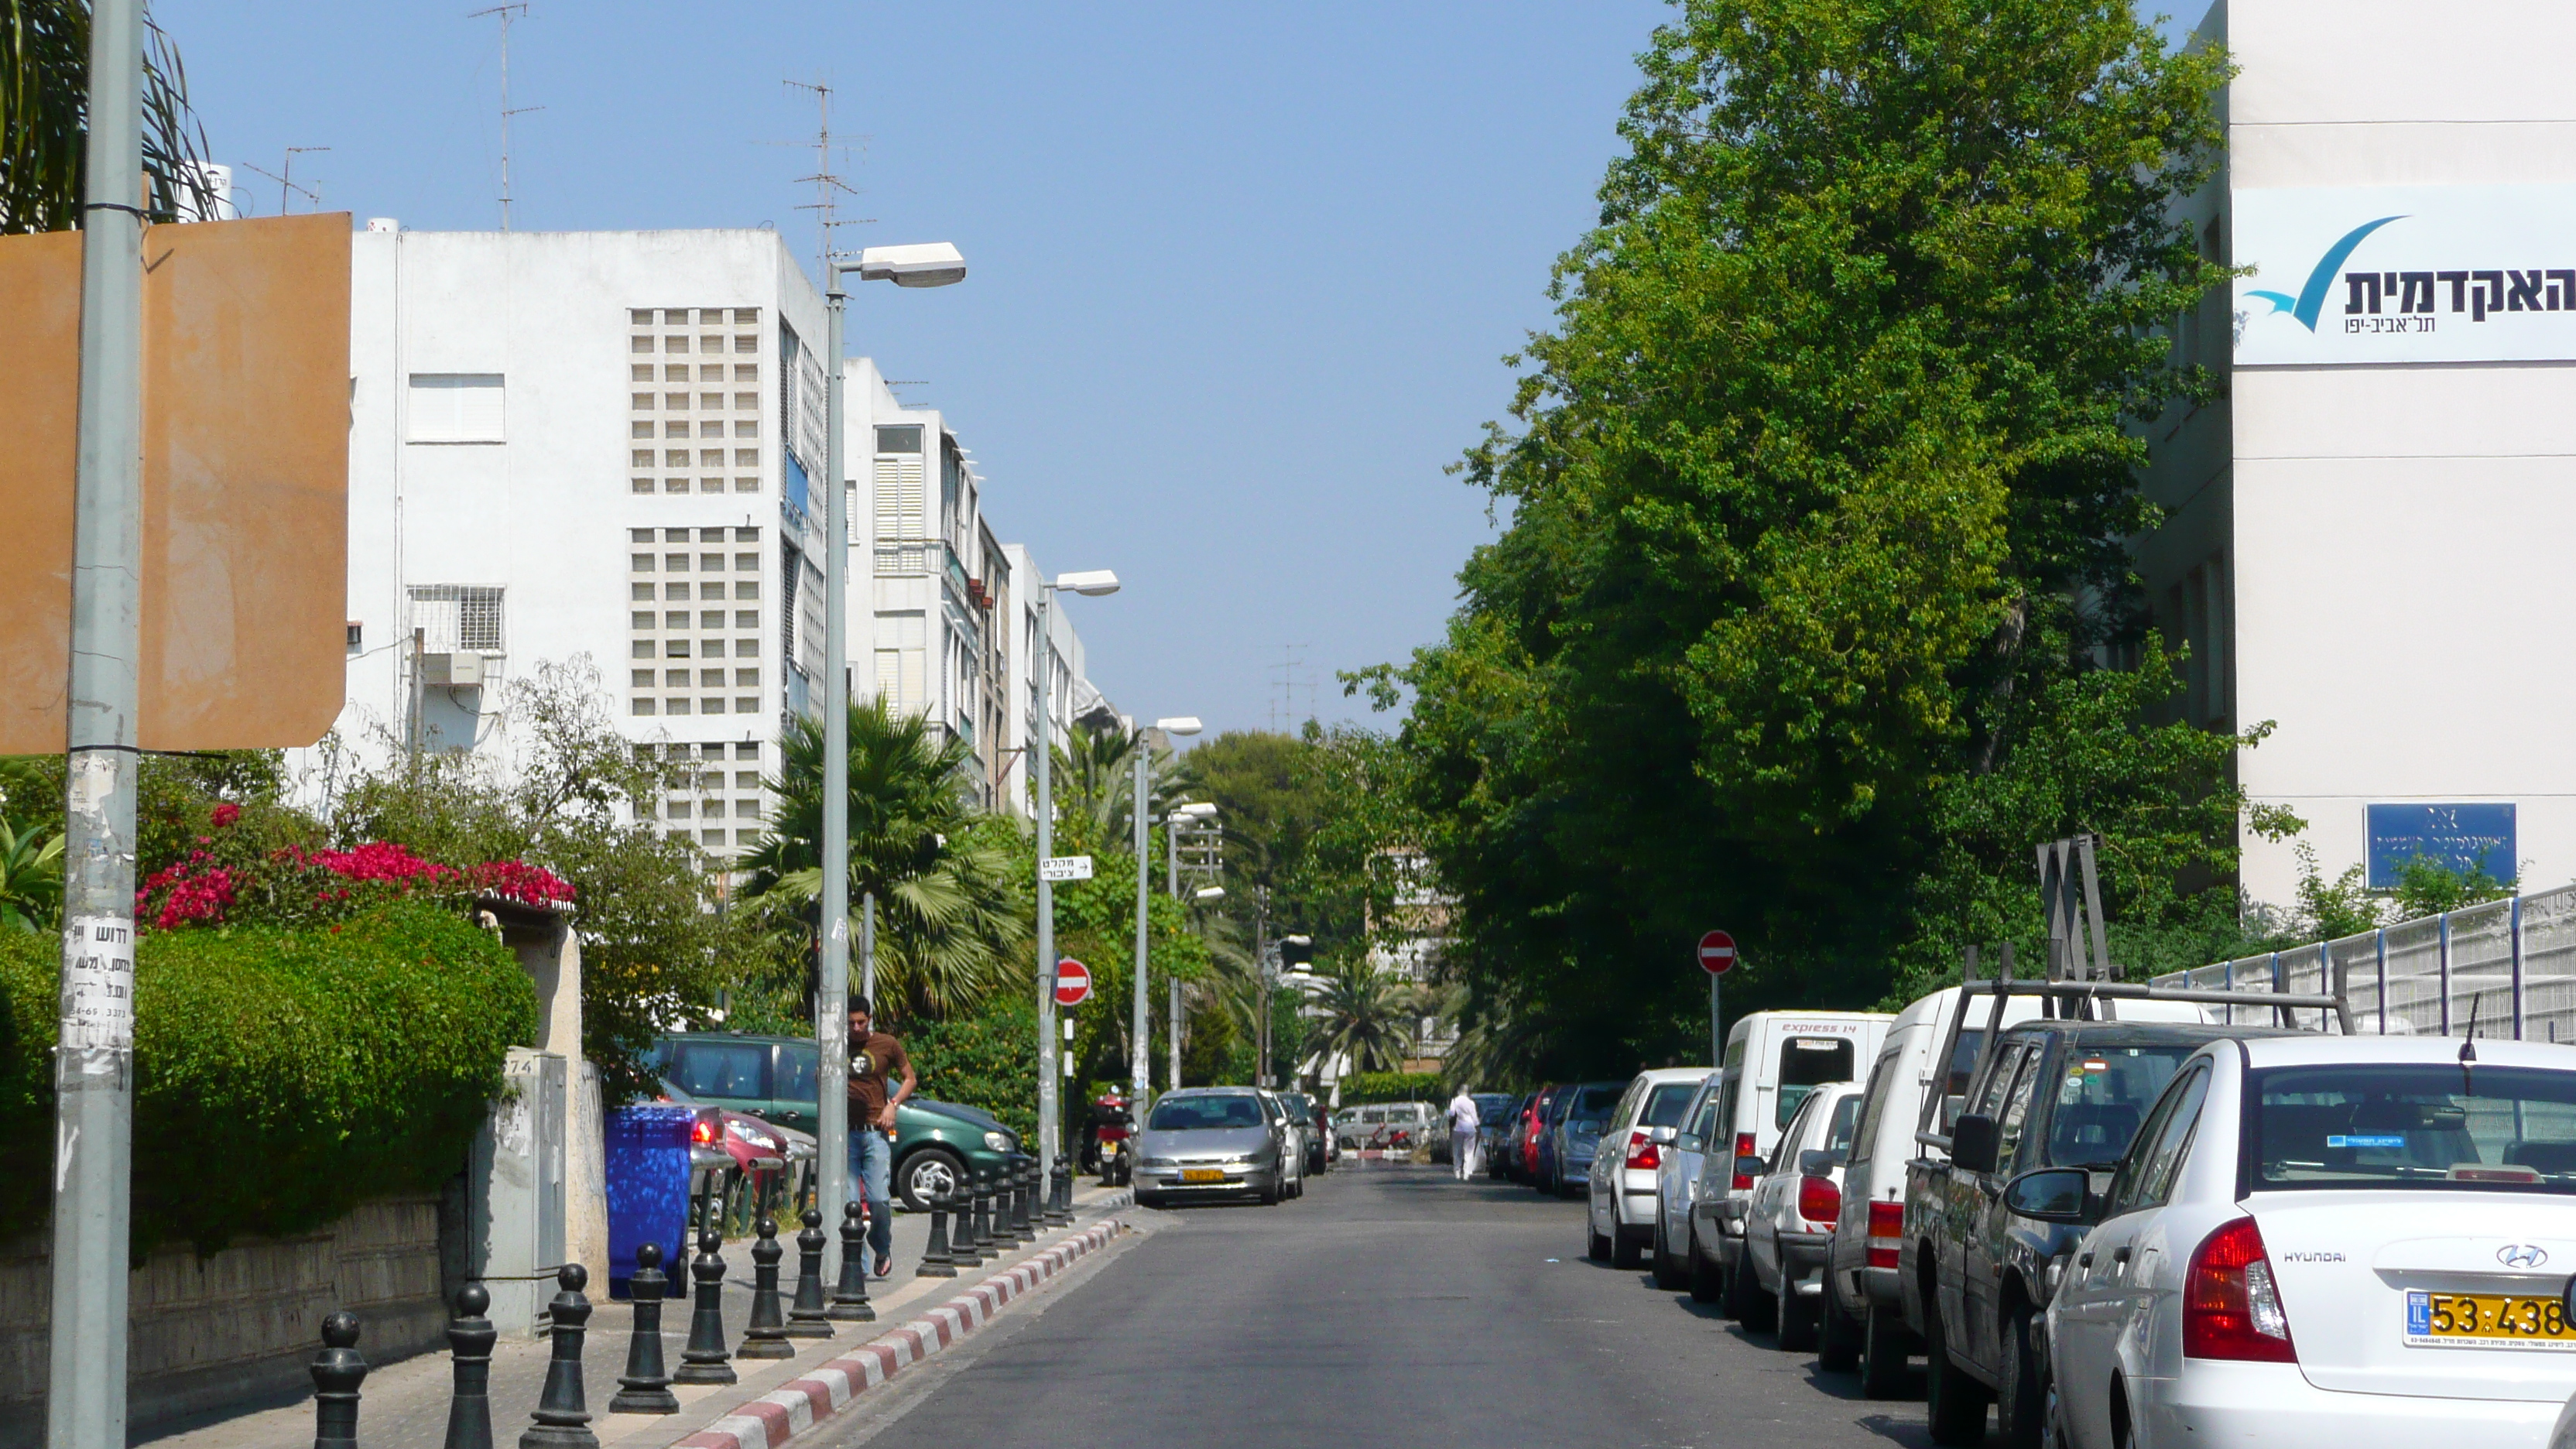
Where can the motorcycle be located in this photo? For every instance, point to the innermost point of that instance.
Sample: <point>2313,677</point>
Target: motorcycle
<point>1109,1148</point>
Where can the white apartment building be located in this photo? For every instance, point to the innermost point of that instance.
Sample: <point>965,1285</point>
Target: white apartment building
<point>606,444</point>
<point>2363,544</point>
<point>1070,692</point>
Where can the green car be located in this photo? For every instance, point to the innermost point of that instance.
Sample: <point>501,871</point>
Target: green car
<point>772,1078</point>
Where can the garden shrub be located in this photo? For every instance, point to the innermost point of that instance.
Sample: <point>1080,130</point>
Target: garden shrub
<point>283,1075</point>
<point>1392,1087</point>
<point>987,1060</point>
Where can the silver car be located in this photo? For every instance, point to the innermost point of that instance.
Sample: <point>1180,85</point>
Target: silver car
<point>1211,1142</point>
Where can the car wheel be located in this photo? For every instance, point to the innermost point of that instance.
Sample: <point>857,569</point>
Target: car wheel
<point>1148,1199</point>
<point>1669,1274</point>
<point>1797,1316</point>
<point>2021,1395</point>
<point>927,1173</point>
<point>1707,1285</point>
<point>1883,1347</point>
<point>1595,1246</point>
<point>1954,1403</point>
<point>1270,1193</point>
<point>1746,1303</point>
<point>1837,1336</point>
<point>1625,1251</point>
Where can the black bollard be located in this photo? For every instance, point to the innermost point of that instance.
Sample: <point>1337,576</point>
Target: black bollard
<point>1061,1213</point>
<point>1025,1217</point>
<point>1005,1188</point>
<point>850,1299</point>
<point>764,1333</point>
<point>563,1414</point>
<point>470,1337</point>
<point>337,1372</point>
<point>644,1388</point>
<point>986,1249</point>
<point>704,1361</point>
<point>935,1259</point>
<point>807,1317</point>
<point>961,1222</point>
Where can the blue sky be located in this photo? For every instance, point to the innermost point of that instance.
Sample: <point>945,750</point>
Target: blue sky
<point>1242,275</point>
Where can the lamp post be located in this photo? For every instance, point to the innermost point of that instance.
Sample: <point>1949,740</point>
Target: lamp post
<point>1183,815</point>
<point>1093,583</point>
<point>1140,1054</point>
<point>934,264</point>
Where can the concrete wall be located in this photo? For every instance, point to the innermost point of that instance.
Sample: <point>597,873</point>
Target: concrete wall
<point>240,1325</point>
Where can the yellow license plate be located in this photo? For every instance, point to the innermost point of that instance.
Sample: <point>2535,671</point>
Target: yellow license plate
<point>2487,1320</point>
<point>1202,1174</point>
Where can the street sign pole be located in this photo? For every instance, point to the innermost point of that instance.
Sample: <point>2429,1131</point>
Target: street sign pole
<point>94,1053</point>
<point>1716,1026</point>
<point>1716,957</point>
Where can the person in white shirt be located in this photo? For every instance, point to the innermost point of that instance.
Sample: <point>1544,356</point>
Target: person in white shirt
<point>1463,1122</point>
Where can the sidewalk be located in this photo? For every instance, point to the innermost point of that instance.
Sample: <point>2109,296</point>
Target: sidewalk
<point>404,1405</point>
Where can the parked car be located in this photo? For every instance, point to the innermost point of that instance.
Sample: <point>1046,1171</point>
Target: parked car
<point>1491,1110</point>
<point>1861,1272</point>
<point>1619,1188</point>
<point>1388,1126</point>
<point>935,1145</point>
<point>1571,1139</point>
<point>1974,1273</point>
<point>1314,1134</point>
<point>1677,1179</point>
<point>1292,1135</point>
<point>1498,1137</point>
<point>2356,1241</point>
<point>1773,1060</point>
<point>1539,1158</point>
<point>1211,1142</point>
<point>1789,1221</point>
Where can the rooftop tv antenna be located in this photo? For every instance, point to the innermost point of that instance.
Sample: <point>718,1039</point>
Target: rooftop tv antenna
<point>829,188</point>
<point>507,14</point>
<point>1284,704</point>
<point>285,178</point>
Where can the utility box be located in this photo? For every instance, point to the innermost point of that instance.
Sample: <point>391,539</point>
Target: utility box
<point>515,1186</point>
<point>460,670</point>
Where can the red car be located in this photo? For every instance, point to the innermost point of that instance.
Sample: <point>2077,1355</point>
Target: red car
<point>1532,1120</point>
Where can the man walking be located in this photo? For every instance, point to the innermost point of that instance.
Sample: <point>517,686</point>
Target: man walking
<point>874,1058</point>
<point>1463,1122</point>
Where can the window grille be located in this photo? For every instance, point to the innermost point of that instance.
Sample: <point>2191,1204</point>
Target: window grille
<point>458,617</point>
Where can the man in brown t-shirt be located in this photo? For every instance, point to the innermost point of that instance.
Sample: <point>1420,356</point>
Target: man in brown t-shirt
<point>874,1057</point>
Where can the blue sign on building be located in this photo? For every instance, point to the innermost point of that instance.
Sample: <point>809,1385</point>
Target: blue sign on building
<point>799,488</point>
<point>2457,837</point>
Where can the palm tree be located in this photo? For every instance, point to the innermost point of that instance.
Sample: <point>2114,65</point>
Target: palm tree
<point>1095,777</point>
<point>44,120</point>
<point>949,916</point>
<point>1367,1011</point>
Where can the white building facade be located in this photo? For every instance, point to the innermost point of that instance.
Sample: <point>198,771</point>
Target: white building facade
<point>2362,538</point>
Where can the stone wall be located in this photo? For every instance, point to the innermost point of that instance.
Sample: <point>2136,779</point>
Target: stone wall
<point>238,1326</point>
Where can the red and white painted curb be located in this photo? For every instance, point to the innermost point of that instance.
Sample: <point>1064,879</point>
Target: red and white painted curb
<point>775,1417</point>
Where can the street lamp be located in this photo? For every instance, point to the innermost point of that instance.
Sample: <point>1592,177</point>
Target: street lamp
<point>1181,815</point>
<point>1140,1056</point>
<point>932,264</point>
<point>1093,583</point>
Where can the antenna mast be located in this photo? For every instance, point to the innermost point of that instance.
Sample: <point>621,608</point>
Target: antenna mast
<point>285,178</point>
<point>828,185</point>
<point>507,14</point>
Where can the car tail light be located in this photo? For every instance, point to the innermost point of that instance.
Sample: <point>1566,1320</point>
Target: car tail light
<point>702,1132</point>
<point>1743,1150</point>
<point>1819,1201</point>
<point>1643,1154</point>
<point>1886,1233</point>
<point>2231,1305</point>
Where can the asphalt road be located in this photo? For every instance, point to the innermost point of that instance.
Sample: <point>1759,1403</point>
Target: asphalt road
<point>1391,1305</point>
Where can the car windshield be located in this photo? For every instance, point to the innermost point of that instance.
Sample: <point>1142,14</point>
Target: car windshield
<point>1665,1104</point>
<point>2102,1095</point>
<point>1592,1105</point>
<point>722,1069</point>
<point>1299,1106</point>
<point>2414,1125</point>
<point>1191,1114</point>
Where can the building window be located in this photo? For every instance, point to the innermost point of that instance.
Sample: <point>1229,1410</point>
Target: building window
<point>677,485</point>
<point>746,561</point>
<point>640,648</point>
<point>745,648</point>
<point>675,430</point>
<point>677,648</point>
<point>746,401</point>
<point>711,458</point>
<point>711,706</point>
<point>676,619</point>
<point>746,316</point>
<point>747,750</point>
<point>906,439</point>
<point>710,402</point>
<point>640,678</point>
<point>746,810</point>
<point>641,458</point>
<point>675,345</point>
<point>675,809</point>
<point>746,618</point>
<point>675,372</point>
<point>712,837</point>
<point>746,485</point>
<point>746,457</point>
<point>455,407</point>
<point>747,343</point>
<point>457,617</point>
<point>640,485</point>
<point>746,679</point>
<point>746,372</point>
<point>676,563</point>
<point>639,429</point>
<point>677,402</point>
<point>677,706</point>
<point>746,427</point>
<point>746,588</point>
<point>713,619</point>
<point>640,345</point>
<point>711,679</point>
<point>712,563</point>
<point>643,706</point>
<point>675,457</point>
<point>746,779</point>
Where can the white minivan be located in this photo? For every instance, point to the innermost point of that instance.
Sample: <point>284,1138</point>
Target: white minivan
<point>1860,1265</point>
<point>1773,1060</point>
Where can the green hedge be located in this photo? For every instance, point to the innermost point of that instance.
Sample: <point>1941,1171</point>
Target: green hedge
<point>1393,1087</point>
<point>281,1076</point>
<point>988,1060</point>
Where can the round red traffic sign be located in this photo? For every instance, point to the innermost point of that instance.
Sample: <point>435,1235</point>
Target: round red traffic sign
<point>1717,953</point>
<point>1072,982</point>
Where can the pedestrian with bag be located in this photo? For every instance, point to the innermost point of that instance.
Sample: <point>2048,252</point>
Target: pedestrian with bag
<point>1464,1119</point>
<point>875,1060</point>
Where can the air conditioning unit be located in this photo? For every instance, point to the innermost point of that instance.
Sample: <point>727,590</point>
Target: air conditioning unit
<point>461,670</point>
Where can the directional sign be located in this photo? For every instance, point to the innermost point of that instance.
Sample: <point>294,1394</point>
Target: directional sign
<point>1072,978</point>
<point>1065,867</point>
<point>1717,953</point>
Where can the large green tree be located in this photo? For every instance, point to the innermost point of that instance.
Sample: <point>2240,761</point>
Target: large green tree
<point>1816,507</point>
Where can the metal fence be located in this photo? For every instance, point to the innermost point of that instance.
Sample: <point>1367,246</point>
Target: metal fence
<point>2508,967</point>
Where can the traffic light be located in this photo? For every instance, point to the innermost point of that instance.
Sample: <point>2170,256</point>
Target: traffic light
<point>1295,952</point>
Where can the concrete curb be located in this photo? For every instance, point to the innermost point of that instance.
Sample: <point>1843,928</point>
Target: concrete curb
<point>779,1415</point>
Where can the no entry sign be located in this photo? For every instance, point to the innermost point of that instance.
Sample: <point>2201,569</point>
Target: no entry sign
<point>1717,953</point>
<point>1072,982</point>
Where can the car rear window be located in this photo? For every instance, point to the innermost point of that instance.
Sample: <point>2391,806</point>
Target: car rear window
<point>1593,1104</point>
<point>1666,1104</point>
<point>2413,1125</point>
<point>1838,1133</point>
<point>2103,1093</point>
<point>1186,1114</point>
<point>737,1069</point>
<point>796,1074</point>
<point>1806,1063</point>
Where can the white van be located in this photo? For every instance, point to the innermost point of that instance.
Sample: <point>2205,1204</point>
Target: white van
<point>1773,1060</point>
<point>1863,1310</point>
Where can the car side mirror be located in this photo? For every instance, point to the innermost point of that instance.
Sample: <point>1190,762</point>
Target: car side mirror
<point>2054,1195</point>
<point>1691,1142</point>
<point>1973,1141</point>
<point>1816,1162</point>
<point>1751,1166</point>
<point>1661,1136</point>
